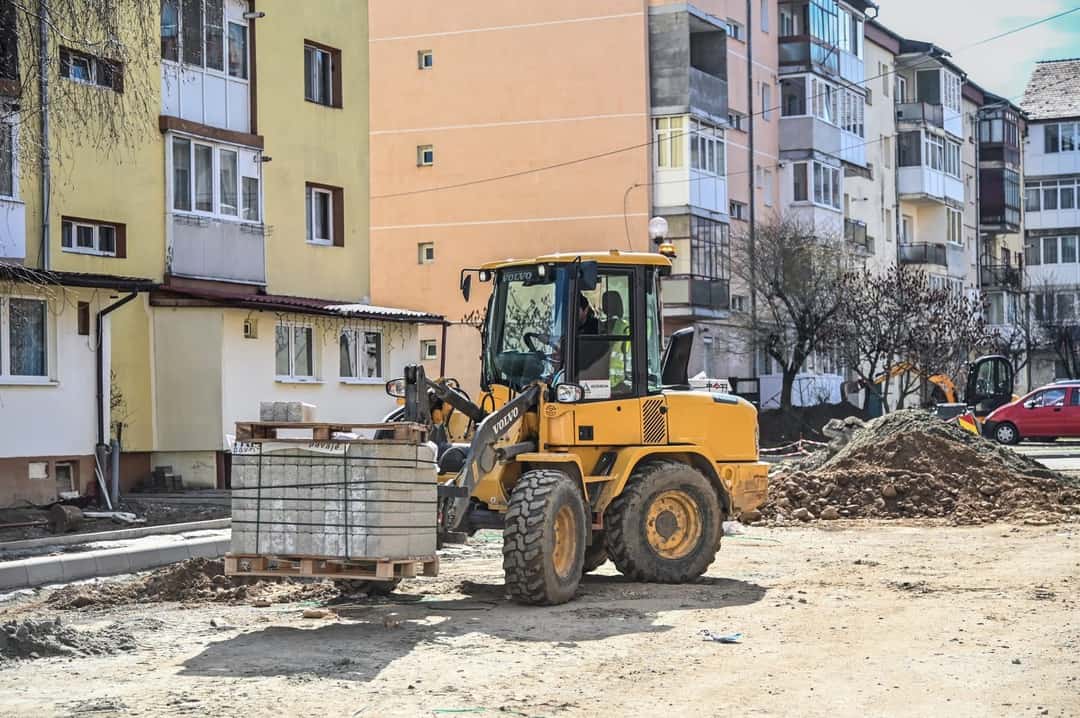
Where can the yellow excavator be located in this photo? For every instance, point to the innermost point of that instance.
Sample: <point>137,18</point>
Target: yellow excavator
<point>989,385</point>
<point>587,442</point>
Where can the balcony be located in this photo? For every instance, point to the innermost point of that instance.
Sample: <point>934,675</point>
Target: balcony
<point>688,66</point>
<point>924,253</point>
<point>693,295</point>
<point>801,52</point>
<point>922,113</point>
<point>1001,276</point>
<point>214,249</point>
<point>923,182</point>
<point>855,234</point>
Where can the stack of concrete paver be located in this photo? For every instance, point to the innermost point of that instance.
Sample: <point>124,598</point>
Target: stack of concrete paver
<point>291,411</point>
<point>358,499</point>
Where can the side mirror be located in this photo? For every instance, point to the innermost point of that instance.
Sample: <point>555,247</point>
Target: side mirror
<point>588,275</point>
<point>677,358</point>
<point>396,388</point>
<point>466,286</point>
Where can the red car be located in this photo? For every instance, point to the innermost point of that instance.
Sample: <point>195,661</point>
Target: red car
<point>1046,413</point>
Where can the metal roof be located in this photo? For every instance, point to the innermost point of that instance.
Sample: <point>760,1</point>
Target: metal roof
<point>21,273</point>
<point>613,256</point>
<point>1053,92</point>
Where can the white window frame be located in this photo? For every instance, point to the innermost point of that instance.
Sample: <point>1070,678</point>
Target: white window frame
<point>6,377</point>
<point>422,251</point>
<point>425,59</point>
<point>429,350</point>
<point>764,15</point>
<point>316,84</point>
<point>353,337</point>
<point>96,233</point>
<point>422,155</point>
<point>669,133</point>
<point>950,91</point>
<point>954,224</point>
<point>933,148</point>
<point>13,138</point>
<point>953,158</point>
<point>312,194</point>
<point>766,102</point>
<point>819,176</point>
<point>907,229</point>
<point>215,178</point>
<point>901,89</point>
<point>292,376</point>
<point>707,149</point>
<point>734,29</point>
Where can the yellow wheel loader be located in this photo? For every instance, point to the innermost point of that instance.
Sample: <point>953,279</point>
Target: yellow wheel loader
<point>587,443</point>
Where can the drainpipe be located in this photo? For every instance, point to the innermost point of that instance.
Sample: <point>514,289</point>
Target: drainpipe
<point>102,449</point>
<point>442,355</point>
<point>43,101</point>
<point>753,176</point>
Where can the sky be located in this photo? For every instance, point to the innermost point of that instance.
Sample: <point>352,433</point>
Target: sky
<point>1002,66</point>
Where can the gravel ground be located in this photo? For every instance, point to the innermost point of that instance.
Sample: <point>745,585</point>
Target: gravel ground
<point>841,619</point>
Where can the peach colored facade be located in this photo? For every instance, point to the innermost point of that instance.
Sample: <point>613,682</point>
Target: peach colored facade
<point>512,87</point>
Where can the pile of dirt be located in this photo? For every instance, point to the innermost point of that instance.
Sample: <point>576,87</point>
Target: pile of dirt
<point>910,464</point>
<point>778,427</point>
<point>40,637</point>
<point>195,580</point>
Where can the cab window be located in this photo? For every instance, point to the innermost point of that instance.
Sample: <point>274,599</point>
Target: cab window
<point>654,332</point>
<point>604,341</point>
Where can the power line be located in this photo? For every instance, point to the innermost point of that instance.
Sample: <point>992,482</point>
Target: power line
<point>649,143</point>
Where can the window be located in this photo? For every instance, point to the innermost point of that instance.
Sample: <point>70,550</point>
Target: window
<point>952,158</point>
<point>322,75</point>
<point>826,184</point>
<point>768,187</point>
<point>1032,256</point>
<point>907,229</point>
<point>789,21</point>
<point>1068,250</point>
<point>215,179</point>
<point>7,160</point>
<point>909,148</point>
<point>360,354</point>
<point>426,253</point>
<point>84,236</point>
<point>84,319</point>
<point>199,33</point>
<point>737,121</point>
<point>737,210</point>
<point>955,226</point>
<point>294,353</point>
<point>25,343</point>
<point>886,151</point>
<point>81,67</point>
<point>935,152</point>
<point>888,221</point>
<point>824,97</point>
<point>734,30</point>
<point>425,155</point>
<point>670,138</point>
<point>425,59</point>
<point>1050,250</point>
<point>793,97</point>
<point>603,357</point>
<point>320,210</point>
<point>901,89</point>
<point>766,101</point>
<point>951,98</point>
<point>1061,137</point>
<point>764,15</point>
<point>799,170</point>
<point>429,350</point>
<point>885,70</point>
<point>707,148</point>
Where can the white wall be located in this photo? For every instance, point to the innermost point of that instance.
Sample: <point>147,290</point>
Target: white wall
<point>56,416</point>
<point>248,371</point>
<point>1037,163</point>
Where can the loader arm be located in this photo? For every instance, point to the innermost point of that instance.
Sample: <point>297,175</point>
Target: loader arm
<point>505,424</point>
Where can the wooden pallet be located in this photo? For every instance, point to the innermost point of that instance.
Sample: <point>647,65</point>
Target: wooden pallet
<point>328,567</point>
<point>324,431</point>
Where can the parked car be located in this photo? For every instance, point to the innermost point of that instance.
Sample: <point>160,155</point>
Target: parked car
<point>1047,413</point>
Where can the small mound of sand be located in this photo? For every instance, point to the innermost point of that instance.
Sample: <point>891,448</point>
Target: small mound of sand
<point>195,580</point>
<point>910,464</point>
<point>38,638</point>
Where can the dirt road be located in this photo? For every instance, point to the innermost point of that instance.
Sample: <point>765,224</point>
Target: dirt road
<point>856,620</point>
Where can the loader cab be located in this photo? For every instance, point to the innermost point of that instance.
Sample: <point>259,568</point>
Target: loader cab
<point>989,384</point>
<point>590,321</point>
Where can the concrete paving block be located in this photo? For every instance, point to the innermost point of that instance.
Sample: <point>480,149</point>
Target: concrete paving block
<point>14,574</point>
<point>111,563</point>
<point>81,565</point>
<point>44,569</point>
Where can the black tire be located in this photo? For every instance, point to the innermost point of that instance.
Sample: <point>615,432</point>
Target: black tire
<point>595,553</point>
<point>632,536</point>
<point>1007,433</point>
<point>542,563</point>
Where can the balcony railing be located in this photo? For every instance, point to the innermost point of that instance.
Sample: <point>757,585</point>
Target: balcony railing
<point>924,253</point>
<point>1002,276</point>
<point>710,293</point>
<point>921,112</point>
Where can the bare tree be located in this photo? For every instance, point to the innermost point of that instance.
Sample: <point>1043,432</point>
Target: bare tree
<point>800,278</point>
<point>1058,328</point>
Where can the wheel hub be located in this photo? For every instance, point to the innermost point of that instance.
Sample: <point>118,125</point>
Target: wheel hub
<point>673,525</point>
<point>562,557</point>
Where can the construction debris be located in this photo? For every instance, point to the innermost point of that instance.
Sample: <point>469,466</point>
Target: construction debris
<point>37,638</point>
<point>194,580</point>
<point>909,464</point>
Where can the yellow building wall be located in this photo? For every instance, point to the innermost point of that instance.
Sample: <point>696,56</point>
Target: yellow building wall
<point>132,374</point>
<point>313,143</point>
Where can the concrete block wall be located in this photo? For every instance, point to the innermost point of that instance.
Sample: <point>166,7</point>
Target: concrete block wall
<point>368,499</point>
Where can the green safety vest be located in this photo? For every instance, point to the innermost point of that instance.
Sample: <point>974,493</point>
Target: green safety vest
<point>619,359</point>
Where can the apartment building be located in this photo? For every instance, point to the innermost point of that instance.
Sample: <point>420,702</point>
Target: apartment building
<point>612,112</point>
<point>241,196</point>
<point>1052,214</point>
